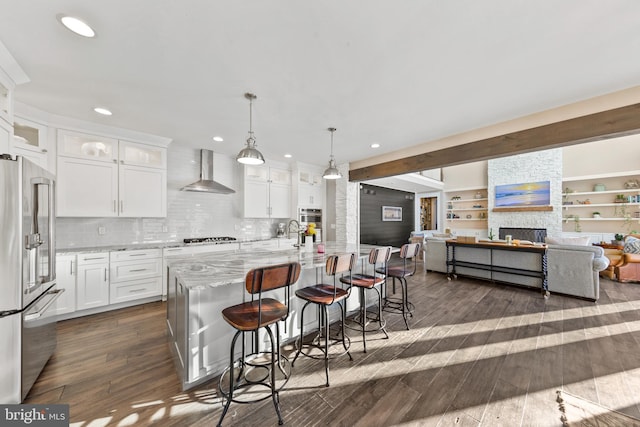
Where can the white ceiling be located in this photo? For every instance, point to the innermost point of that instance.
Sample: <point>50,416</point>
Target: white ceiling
<point>398,73</point>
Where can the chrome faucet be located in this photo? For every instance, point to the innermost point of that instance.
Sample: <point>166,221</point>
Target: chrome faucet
<point>297,224</point>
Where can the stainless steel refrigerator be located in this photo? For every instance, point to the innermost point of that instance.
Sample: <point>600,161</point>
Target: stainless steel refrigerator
<point>27,275</point>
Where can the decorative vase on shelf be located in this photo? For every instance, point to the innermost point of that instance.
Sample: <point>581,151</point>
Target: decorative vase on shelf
<point>478,195</point>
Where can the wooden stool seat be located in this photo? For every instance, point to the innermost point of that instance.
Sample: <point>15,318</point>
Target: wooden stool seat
<point>398,271</point>
<point>366,281</point>
<point>322,294</point>
<point>253,315</point>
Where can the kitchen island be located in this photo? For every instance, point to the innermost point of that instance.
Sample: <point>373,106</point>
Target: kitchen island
<point>202,285</point>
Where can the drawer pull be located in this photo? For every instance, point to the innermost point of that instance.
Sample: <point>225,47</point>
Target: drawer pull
<point>89,259</point>
<point>138,269</point>
<point>138,254</point>
<point>135,291</point>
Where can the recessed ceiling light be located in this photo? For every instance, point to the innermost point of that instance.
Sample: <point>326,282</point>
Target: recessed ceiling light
<point>77,26</point>
<point>376,145</point>
<point>288,156</point>
<point>218,139</point>
<point>102,111</point>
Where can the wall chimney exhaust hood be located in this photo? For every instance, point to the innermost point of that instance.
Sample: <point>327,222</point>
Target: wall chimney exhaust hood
<point>206,184</point>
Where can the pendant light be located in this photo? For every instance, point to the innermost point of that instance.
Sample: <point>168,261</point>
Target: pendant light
<point>332,171</point>
<point>250,154</point>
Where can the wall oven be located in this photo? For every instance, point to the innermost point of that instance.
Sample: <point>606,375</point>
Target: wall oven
<point>309,215</point>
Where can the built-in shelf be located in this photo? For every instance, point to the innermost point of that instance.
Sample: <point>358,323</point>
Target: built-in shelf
<point>593,205</point>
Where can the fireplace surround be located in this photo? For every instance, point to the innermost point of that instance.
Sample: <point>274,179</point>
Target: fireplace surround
<point>531,234</point>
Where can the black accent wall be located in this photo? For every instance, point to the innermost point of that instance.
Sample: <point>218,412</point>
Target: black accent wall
<point>373,230</point>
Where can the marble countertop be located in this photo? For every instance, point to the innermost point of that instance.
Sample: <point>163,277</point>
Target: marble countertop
<point>217,269</point>
<point>150,245</point>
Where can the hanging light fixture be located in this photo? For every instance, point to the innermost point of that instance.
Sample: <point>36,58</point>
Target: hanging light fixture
<point>332,171</point>
<point>250,154</point>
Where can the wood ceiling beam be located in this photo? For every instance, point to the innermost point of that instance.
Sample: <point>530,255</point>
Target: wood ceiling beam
<point>598,126</point>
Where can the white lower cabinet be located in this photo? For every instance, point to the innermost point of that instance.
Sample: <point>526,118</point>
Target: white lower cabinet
<point>66,269</point>
<point>135,275</point>
<point>92,285</point>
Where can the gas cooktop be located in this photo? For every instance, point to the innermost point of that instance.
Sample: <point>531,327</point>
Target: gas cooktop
<point>196,240</point>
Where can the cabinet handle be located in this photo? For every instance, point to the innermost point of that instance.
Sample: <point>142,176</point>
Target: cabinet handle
<point>115,161</point>
<point>133,291</point>
<point>121,206</point>
<point>92,258</point>
<point>71,268</point>
<point>138,269</point>
<point>44,150</point>
<point>105,274</point>
<point>122,162</point>
<point>138,254</point>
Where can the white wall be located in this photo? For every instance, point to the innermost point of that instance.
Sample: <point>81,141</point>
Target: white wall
<point>466,176</point>
<point>610,156</point>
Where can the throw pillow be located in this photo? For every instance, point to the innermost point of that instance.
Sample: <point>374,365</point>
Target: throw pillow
<point>575,241</point>
<point>631,245</point>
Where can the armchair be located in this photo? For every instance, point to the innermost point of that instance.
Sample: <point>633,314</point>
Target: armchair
<point>628,270</point>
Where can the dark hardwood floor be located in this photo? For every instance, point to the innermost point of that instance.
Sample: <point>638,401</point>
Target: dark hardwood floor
<point>477,354</point>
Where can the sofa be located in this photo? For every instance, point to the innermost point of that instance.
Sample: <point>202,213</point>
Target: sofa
<point>574,270</point>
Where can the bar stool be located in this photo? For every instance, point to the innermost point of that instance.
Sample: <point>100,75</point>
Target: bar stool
<point>248,372</point>
<point>324,295</point>
<point>408,253</point>
<point>378,257</point>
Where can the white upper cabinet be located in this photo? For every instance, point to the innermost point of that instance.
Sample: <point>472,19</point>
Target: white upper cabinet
<point>132,153</point>
<point>87,188</point>
<point>5,136</point>
<point>137,195</point>
<point>6,110</point>
<point>105,177</point>
<point>267,192</point>
<point>311,187</point>
<point>86,146</point>
<point>11,74</point>
<point>30,140</point>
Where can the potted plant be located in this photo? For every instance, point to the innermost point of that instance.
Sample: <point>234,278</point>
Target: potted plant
<point>619,240</point>
<point>596,214</point>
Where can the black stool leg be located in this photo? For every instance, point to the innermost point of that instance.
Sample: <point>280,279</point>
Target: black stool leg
<point>230,397</point>
<point>343,312</point>
<point>405,308</point>
<point>363,317</point>
<point>301,333</point>
<point>274,393</point>
<point>326,341</point>
<point>380,312</point>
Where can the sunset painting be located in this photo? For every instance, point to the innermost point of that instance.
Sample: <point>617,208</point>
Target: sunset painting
<point>527,194</point>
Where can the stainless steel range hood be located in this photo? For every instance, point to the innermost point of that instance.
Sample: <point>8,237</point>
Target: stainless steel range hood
<point>206,184</point>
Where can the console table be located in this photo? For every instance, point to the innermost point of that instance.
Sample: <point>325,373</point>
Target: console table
<point>524,265</point>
